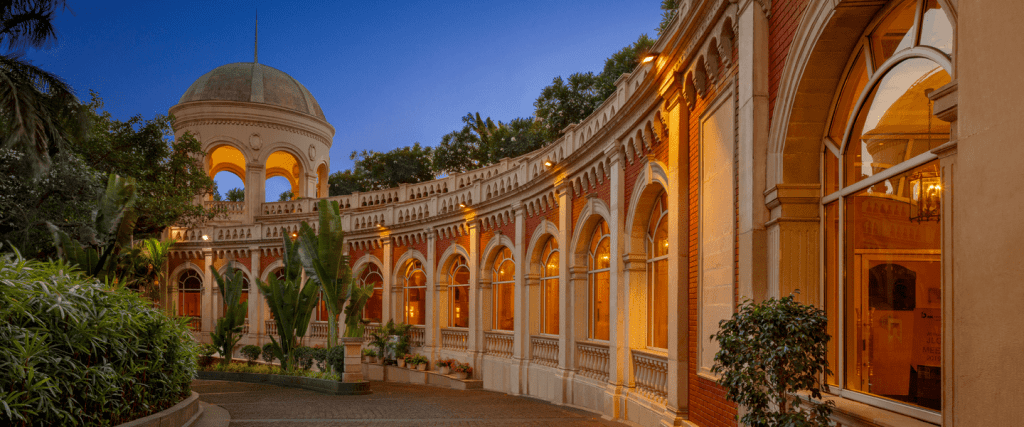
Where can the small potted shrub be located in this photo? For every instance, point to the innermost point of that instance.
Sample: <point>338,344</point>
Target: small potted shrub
<point>268,352</point>
<point>444,366</point>
<point>251,353</point>
<point>370,355</point>
<point>462,371</point>
<point>419,362</point>
<point>402,361</point>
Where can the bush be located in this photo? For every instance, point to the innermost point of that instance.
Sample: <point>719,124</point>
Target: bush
<point>303,358</point>
<point>251,353</point>
<point>206,352</point>
<point>268,352</point>
<point>319,355</point>
<point>73,352</point>
<point>336,359</point>
<point>769,352</point>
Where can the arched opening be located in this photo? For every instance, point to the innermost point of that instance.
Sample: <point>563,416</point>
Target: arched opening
<point>227,169</point>
<point>598,282</point>
<point>657,274</point>
<point>415,293</point>
<point>549,312</point>
<point>283,173</point>
<point>190,296</point>
<point>503,271</point>
<point>321,181</point>
<point>457,275</point>
<point>373,312</point>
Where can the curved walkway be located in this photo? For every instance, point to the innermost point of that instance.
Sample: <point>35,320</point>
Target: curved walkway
<point>390,404</point>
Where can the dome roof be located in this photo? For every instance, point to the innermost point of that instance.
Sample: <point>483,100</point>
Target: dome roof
<point>253,82</point>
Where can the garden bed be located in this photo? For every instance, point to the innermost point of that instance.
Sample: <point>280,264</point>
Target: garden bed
<point>314,384</point>
<point>180,415</point>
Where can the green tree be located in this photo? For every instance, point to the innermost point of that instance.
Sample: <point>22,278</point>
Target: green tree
<point>38,110</point>
<point>291,302</point>
<point>345,182</point>
<point>224,335</point>
<point>456,153</point>
<point>668,12</point>
<point>236,195</point>
<point>622,62</point>
<point>568,101</point>
<point>399,166</point>
<point>286,196</point>
<point>141,268</point>
<point>168,171</point>
<point>517,137</point>
<point>769,352</point>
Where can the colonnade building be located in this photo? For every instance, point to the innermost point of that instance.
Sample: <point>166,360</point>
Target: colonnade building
<point>771,147</point>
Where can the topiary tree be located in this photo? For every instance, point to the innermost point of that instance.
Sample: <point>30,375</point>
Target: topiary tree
<point>769,352</point>
<point>251,353</point>
<point>336,359</point>
<point>268,352</point>
<point>229,327</point>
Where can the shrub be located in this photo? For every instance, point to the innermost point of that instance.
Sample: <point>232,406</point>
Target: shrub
<point>251,353</point>
<point>73,352</point>
<point>319,355</point>
<point>268,352</point>
<point>769,352</point>
<point>304,358</point>
<point>368,352</point>
<point>206,352</point>
<point>336,358</point>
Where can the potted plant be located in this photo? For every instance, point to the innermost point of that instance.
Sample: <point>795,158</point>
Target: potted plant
<point>370,355</point>
<point>404,360</point>
<point>462,371</point>
<point>444,366</point>
<point>419,362</point>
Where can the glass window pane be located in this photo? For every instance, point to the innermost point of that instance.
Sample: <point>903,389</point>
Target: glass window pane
<point>375,306</point>
<point>460,306</point>
<point>658,295</point>
<point>505,272</point>
<point>599,305</point>
<point>894,32</point>
<point>832,284</point>
<point>893,346</point>
<point>896,122</point>
<point>550,306</point>
<point>852,88</point>
<point>415,303</point>
<point>504,306</point>
<point>936,31</point>
<point>551,267</point>
<point>602,259</point>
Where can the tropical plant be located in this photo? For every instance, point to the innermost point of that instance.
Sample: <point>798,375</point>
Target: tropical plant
<point>285,196</point>
<point>327,266</point>
<point>251,353</point>
<point>236,195</point>
<point>74,352</point>
<point>141,268</point>
<point>769,352</point>
<point>268,352</point>
<point>99,244</point>
<point>336,359</point>
<point>291,302</point>
<point>224,335</point>
<point>368,352</point>
<point>206,352</point>
<point>381,339</point>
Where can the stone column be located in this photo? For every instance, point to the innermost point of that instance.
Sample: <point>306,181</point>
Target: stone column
<point>474,343</point>
<point>521,322</point>
<point>387,271</point>
<point>678,196</point>
<point>793,242</point>
<point>566,334</point>
<point>635,278</point>
<point>255,297</point>
<point>255,179</point>
<point>309,189</point>
<point>618,346</point>
<point>209,315</point>
<point>752,88</point>
<point>431,332</point>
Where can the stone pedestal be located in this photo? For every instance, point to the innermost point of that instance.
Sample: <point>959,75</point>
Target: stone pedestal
<point>353,365</point>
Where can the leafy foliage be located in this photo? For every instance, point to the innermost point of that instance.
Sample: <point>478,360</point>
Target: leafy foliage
<point>669,8</point>
<point>272,370</point>
<point>141,268</point>
<point>269,351</point>
<point>346,182</point>
<point>567,101</point>
<point>336,359</point>
<point>236,195</point>
<point>769,352</point>
<point>73,352</point>
<point>291,302</point>
<point>285,196</point>
<point>224,335</point>
<point>385,348</point>
<point>251,353</point>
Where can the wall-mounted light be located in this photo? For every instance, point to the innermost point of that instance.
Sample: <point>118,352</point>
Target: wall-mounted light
<point>295,235</point>
<point>926,197</point>
<point>648,58</point>
<point>463,205</point>
<point>205,237</point>
<point>548,163</point>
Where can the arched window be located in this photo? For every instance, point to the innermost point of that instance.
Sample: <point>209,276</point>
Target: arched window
<point>882,209</point>
<point>503,274</point>
<point>657,275</point>
<point>458,293</point>
<point>374,310</point>
<point>190,293</point>
<point>415,294</point>
<point>549,288</point>
<point>598,276</point>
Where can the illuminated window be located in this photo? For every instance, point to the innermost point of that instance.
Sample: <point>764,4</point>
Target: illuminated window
<point>190,295</point>
<point>458,293</point>
<point>549,288</point>
<point>657,275</point>
<point>503,274</point>
<point>415,294</point>
<point>881,219</point>
<point>373,312</point>
<point>598,275</point>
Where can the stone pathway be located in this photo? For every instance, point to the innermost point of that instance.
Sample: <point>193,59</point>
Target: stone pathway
<point>390,404</point>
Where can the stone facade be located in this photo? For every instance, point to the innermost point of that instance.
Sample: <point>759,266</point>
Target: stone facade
<point>708,178</point>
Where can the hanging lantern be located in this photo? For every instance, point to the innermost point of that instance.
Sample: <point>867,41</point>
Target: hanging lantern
<point>926,197</point>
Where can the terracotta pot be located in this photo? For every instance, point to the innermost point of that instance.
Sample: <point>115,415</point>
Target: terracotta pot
<point>460,375</point>
<point>444,370</point>
<point>421,367</point>
<point>401,363</point>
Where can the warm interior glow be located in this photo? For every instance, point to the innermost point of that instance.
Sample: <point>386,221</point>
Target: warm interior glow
<point>548,163</point>
<point>648,58</point>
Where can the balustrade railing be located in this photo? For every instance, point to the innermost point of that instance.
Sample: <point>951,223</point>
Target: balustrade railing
<point>544,351</point>
<point>498,344</point>
<point>650,374</point>
<point>454,339</point>
<point>195,323</point>
<point>245,327</point>
<point>229,207</point>
<point>417,336</point>
<point>271,327</point>
<point>369,330</point>
<point>592,360</point>
<point>318,329</point>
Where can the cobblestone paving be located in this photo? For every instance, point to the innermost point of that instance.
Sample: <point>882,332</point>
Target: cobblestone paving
<point>390,404</point>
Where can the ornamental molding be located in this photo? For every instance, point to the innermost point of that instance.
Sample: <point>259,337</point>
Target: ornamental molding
<point>184,124</point>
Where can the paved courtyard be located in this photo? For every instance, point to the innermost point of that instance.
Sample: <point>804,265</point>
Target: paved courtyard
<point>391,404</point>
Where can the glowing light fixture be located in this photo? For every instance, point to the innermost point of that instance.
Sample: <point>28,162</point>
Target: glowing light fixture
<point>548,163</point>
<point>295,235</point>
<point>463,205</point>
<point>205,237</point>
<point>926,196</point>
<point>648,58</point>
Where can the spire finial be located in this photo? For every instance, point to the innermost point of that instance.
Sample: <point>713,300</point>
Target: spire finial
<point>256,52</point>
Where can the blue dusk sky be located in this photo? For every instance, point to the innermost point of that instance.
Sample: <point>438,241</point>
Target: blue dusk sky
<point>387,74</point>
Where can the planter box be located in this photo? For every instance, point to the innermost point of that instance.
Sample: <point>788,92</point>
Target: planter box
<point>314,384</point>
<point>182,414</point>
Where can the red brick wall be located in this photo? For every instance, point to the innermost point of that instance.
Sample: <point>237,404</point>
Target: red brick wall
<point>782,25</point>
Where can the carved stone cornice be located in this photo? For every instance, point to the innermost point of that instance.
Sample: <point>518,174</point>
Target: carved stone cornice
<point>184,124</point>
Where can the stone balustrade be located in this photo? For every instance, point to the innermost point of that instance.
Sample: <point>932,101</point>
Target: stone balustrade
<point>318,329</point>
<point>498,344</point>
<point>650,373</point>
<point>417,336</point>
<point>544,351</point>
<point>271,327</point>
<point>454,339</point>
<point>369,330</point>
<point>592,360</point>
